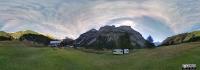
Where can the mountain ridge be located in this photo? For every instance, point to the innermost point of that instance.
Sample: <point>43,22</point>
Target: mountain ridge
<point>182,38</point>
<point>112,37</point>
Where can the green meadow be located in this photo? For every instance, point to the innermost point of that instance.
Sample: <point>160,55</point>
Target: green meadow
<point>15,55</point>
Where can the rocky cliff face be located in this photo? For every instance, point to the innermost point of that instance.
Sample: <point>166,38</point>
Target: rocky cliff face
<point>111,37</point>
<point>85,38</point>
<point>182,38</point>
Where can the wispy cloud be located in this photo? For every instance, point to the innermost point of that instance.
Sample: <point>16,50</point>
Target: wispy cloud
<point>160,18</point>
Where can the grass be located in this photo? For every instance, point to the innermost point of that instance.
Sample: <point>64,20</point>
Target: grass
<point>20,56</point>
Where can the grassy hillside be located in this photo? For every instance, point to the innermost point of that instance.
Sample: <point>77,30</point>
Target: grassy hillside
<point>192,34</point>
<point>197,33</point>
<point>18,34</point>
<point>23,56</point>
<point>182,38</point>
<point>2,33</point>
<point>5,36</point>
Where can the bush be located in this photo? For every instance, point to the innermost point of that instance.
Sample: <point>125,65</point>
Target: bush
<point>194,39</point>
<point>3,38</point>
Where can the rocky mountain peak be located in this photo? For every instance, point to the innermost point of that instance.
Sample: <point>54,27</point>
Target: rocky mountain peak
<point>111,37</point>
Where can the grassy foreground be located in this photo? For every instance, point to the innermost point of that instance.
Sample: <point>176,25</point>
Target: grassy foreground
<point>21,56</point>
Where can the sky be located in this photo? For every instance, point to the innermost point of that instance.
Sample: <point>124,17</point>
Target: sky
<point>70,18</point>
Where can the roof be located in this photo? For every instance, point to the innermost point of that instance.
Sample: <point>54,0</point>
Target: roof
<point>120,49</point>
<point>55,41</point>
<point>117,49</point>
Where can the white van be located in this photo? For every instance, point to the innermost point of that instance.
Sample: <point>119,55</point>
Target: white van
<point>126,51</point>
<point>118,51</point>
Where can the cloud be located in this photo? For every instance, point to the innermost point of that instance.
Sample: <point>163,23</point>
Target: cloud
<point>61,18</point>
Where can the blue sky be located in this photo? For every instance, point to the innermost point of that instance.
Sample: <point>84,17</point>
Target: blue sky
<point>70,18</point>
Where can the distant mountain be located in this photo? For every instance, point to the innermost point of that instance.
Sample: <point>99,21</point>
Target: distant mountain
<point>111,37</point>
<point>5,36</point>
<point>18,34</point>
<point>157,43</point>
<point>182,38</point>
